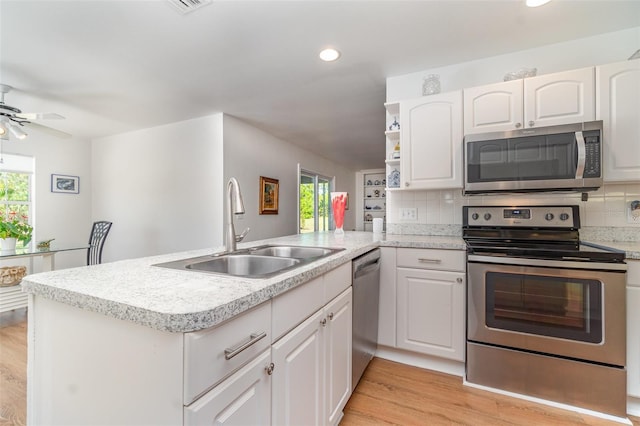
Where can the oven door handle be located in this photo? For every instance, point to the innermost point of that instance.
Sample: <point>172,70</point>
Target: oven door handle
<point>566,264</point>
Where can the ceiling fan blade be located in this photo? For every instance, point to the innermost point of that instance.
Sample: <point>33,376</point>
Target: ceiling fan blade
<point>40,116</point>
<point>48,130</point>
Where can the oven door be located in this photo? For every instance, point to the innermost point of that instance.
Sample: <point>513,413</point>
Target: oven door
<point>563,308</point>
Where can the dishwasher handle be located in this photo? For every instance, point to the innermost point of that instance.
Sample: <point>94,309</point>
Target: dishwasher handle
<point>366,266</point>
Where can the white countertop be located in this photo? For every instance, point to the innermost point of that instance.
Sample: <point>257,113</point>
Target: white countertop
<point>182,301</point>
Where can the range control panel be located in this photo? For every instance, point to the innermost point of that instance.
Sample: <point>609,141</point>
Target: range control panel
<point>522,216</point>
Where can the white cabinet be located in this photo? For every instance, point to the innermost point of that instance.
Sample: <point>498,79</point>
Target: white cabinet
<point>312,367</point>
<point>242,399</point>
<point>387,308</point>
<point>618,106</point>
<point>431,302</point>
<point>633,328</point>
<point>547,100</point>
<point>431,142</point>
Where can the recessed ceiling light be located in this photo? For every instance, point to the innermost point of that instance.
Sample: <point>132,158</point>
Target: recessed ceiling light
<point>536,3</point>
<point>329,55</point>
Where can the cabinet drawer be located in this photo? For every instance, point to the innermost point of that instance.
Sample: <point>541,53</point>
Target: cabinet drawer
<point>444,260</point>
<point>206,362</point>
<point>296,305</point>
<point>336,281</point>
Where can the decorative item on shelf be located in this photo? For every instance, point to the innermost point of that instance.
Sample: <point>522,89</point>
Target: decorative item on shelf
<point>12,275</point>
<point>376,193</point>
<point>384,181</point>
<point>339,204</point>
<point>44,245</point>
<point>368,217</point>
<point>394,179</point>
<point>431,85</point>
<point>521,73</point>
<point>13,230</point>
<point>369,182</point>
<point>396,152</point>
<point>377,182</point>
<point>395,125</point>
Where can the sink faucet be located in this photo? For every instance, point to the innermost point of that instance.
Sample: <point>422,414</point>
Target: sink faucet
<point>237,207</point>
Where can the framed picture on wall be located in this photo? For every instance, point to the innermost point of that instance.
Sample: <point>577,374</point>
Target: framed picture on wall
<point>268,195</point>
<point>65,184</point>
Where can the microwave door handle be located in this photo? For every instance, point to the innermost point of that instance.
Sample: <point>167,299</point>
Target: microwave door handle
<point>582,155</point>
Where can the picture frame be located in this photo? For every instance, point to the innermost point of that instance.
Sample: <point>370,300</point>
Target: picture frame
<point>269,194</point>
<point>65,184</point>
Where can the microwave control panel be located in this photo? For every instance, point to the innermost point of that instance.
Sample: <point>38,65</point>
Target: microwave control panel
<point>593,153</point>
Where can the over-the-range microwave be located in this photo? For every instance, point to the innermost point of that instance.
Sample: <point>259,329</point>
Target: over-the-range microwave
<point>554,158</point>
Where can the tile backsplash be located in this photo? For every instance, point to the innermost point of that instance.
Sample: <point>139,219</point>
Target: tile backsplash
<point>607,211</point>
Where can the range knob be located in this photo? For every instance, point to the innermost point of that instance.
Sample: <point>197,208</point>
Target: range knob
<point>564,216</point>
<point>475,216</point>
<point>487,216</point>
<point>549,216</point>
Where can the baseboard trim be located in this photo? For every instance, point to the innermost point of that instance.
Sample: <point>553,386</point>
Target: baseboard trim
<point>455,368</point>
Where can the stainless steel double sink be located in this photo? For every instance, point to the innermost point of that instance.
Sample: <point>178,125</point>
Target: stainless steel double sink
<point>256,262</point>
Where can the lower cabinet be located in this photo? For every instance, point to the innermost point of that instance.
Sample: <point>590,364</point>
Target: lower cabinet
<point>431,312</point>
<point>633,328</point>
<point>242,399</point>
<point>429,308</point>
<point>312,374</point>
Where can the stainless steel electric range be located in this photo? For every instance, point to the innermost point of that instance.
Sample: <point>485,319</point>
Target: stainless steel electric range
<point>546,313</point>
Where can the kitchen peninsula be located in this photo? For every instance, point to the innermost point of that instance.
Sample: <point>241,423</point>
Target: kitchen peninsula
<point>118,342</point>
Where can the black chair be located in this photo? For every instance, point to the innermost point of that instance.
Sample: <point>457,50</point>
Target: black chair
<point>96,241</point>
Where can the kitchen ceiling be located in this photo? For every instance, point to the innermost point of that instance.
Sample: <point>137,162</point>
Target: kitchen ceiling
<point>116,66</point>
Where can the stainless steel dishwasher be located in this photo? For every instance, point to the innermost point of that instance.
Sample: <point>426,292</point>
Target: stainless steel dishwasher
<point>366,296</point>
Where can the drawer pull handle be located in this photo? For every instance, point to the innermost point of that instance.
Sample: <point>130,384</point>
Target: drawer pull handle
<point>253,339</point>
<point>423,260</point>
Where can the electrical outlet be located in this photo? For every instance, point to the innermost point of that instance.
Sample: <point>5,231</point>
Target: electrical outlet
<point>408,214</point>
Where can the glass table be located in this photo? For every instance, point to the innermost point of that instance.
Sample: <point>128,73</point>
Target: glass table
<point>12,297</point>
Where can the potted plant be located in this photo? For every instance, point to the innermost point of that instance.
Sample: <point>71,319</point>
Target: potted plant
<point>14,229</point>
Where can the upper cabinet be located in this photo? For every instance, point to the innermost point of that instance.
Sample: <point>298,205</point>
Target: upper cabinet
<point>618,106</point>
<point>547,100</point>
<point>431,137</point>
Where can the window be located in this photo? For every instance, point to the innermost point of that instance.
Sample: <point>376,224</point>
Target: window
<point>314,202</point>
<point>16,174</point>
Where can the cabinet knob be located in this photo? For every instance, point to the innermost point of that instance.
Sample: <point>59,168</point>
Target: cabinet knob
<point>331,316</point>
<point>518,125</point>
<point>459,280</point>
<point>531,123</point>
<point>270,368</point>
<point>406,184</point>
<point>323,322</point>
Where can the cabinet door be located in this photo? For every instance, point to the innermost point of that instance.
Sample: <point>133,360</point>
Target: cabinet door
<point>618,106</point>
<point>242,399</point>
<point>297,380</point>
<point>633,341</point>
<point>387,299</point>
<point>560,98</point>
<point>493,108</point>
<point>338,356</point>
<point>431,142</point>
<point>431,312</point>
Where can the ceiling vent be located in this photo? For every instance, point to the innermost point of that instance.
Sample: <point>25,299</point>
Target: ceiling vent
<point>186,6</point>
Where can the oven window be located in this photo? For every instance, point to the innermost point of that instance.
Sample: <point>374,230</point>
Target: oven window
<point>562,307</point>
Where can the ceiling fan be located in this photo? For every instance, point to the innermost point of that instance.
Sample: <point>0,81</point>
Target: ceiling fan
<point>13,120</point>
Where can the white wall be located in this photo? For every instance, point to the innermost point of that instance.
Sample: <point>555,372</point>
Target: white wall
<point>65,217</point>
<point>164,188</point>
<point>250,153</point>
<point>161,187</point>
<point>606,207</point>
<point>585,52</point>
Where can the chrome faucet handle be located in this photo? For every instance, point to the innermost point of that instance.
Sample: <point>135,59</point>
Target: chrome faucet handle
<point>241,236</point>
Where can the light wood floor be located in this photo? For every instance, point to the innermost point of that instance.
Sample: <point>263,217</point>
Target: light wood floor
<point>388,394</point>
<point>396,394</point>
